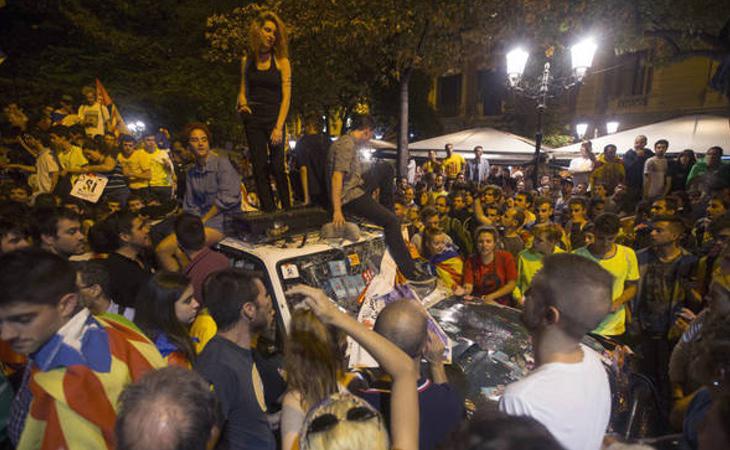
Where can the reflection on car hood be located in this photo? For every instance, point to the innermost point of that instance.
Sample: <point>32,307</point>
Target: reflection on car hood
<point>492,347</point>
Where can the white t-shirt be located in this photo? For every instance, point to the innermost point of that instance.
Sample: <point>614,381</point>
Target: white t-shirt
<point>573,401</point>
<point>92,117</point>
<point>45,165</point>
<point>655,173</point>
<point>580,169</point>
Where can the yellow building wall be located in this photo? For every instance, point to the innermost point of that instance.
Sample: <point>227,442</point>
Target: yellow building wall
<point>675,89</point>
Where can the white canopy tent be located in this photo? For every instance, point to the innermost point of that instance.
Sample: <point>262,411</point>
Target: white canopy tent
<point>697,132</point>
<point>495,142</point>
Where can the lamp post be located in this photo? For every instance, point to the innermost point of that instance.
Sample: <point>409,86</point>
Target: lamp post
<point>582,59</point>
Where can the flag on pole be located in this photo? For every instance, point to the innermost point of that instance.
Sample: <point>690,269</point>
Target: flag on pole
<point>105,99</point>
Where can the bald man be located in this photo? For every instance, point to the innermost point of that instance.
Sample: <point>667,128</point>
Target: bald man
<point>568,392</point>
<point>405,323</point>
<point>170,409</point>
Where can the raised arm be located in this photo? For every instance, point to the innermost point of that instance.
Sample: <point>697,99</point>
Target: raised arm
<point>404,402</point>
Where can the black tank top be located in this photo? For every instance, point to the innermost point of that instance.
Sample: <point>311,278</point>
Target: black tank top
<point>264,94</point>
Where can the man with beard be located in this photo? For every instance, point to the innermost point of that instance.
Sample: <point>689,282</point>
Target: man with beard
<point>667,271</point>
<point>568,392</point>
<point>60,233</point>
<point>242,309</point>
<point>127,239</point>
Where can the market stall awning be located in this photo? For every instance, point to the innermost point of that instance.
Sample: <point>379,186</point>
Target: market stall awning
<point>697,132</point>
<point>494,142</point>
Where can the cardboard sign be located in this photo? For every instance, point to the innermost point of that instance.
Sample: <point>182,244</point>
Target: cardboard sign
<point>89,187</point>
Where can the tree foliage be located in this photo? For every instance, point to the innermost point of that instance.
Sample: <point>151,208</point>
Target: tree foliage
<point>148,54</point>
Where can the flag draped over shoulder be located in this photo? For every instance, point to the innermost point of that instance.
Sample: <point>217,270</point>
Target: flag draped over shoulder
<point>118,124</point>
<point>75,389</point>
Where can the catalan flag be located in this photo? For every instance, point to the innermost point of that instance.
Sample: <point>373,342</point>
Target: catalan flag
<point>76,379</point>
<point>118,124</point>
<point>449,267</point>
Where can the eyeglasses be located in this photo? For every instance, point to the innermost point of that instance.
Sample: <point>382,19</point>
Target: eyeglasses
<point>328,421</point>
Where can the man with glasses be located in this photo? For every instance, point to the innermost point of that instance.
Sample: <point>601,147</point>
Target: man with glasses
<point>621,262</point>
<point>212,185</point>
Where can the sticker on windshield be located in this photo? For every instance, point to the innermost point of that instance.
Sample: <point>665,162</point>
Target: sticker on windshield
<point>289,271</point>
<point>337,268</point>
<point>354,259</point>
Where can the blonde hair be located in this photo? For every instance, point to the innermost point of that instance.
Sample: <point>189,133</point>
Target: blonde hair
<point>369,434</point>
<point>312,358</point>
<point>281,44</point>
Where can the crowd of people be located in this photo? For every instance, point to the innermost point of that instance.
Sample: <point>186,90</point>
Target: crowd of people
<point>121,327</point>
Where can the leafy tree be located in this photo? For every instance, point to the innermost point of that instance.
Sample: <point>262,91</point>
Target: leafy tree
<point>362,45</point>
<point>147,53</point>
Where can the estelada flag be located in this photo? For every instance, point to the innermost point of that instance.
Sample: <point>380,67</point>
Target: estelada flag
<point>105,99</point>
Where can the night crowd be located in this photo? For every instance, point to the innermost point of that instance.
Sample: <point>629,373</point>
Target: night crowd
<point>122,327</point>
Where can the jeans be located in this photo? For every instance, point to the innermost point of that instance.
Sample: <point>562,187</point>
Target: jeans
<point>268,160</point>
<point>381,214</point>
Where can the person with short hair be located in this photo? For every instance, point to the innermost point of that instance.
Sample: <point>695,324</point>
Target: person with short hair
<point>667,271</point>
<point>162,170</point>
<point>578,219</point>
<point>212,185</point>
<point>513,221</point>
<point>94,288</point>
<point>168,409</point>
<point>126,238</point>
<point>242,309</point>
<point>620,261</point>
<point>350,193</point>
<point>525,201</point>
<point>15,234</point>
<point>190,235</point>
<point>70,156</point>
<point>404,323</point>
<point>496,430</point>
<point>60,232</point>
<point>46,167</point>
<point>568,391</point>
<point>545,241</point>
<point>433,164</point>
<point>609,170</point>
<point>634,161</point>
<point>94,116</point>
<point>707,166</point>
<point>136,165</point>
<point>453,164</point>
<point>311,158</point>
<point>78,363</point>
<point>477,169</point>
<point>657,182</point>
<point>453,227</point>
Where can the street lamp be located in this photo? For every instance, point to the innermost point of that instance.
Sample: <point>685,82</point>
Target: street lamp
<point>611,126</point>
<point>582,59</point>
<point>581,129</point>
